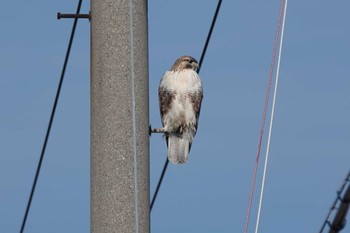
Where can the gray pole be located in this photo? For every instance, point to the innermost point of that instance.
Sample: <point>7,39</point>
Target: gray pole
<point>119,117</point>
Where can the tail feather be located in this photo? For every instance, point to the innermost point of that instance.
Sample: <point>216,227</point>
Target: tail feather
<point>178,149</point>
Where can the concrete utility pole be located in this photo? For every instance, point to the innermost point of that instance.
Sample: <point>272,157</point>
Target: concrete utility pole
<point>119,117</point>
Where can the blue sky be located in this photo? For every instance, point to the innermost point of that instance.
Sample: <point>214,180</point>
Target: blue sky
<point>309,155</point>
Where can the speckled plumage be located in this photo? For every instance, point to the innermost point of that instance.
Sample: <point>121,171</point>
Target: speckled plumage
<point>180,98</point>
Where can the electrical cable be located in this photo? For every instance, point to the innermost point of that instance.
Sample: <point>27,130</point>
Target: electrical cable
<point>209,35</point>
<point>262,129</point>
<point>159,182</point>
<point>198,69</point>
<point>337,199</point>
<point>272,116</point>
<point>51,119</point>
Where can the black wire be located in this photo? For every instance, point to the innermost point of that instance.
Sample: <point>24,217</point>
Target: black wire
<point>209,35</point>
<point>338,198</point>
<point>339,220</point>
<point>159,182</point>
<point>198,69</point>
<point>51,118</point>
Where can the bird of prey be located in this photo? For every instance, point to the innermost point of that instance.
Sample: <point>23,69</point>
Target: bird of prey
<point>180,96</point>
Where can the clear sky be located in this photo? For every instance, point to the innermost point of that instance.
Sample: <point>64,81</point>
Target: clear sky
<point>309,155</point>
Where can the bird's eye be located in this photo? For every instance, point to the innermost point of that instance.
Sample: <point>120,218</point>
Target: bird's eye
<point>190,61</point>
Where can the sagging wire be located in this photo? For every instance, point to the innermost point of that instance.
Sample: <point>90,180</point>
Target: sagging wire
<point>51,119</point>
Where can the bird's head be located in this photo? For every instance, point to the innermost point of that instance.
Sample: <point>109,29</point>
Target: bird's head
<point>185,62</point>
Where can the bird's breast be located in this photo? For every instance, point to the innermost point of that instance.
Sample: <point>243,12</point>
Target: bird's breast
<point>185,81</point>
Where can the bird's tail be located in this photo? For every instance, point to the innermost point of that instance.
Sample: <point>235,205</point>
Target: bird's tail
<point>178,149</point>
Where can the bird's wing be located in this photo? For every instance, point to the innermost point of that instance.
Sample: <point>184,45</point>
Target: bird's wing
<point>196,100</point>
<point>165,97</point>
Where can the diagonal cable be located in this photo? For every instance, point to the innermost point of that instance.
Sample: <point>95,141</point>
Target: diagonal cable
<point>334,206</point>
<point>200,65</point>
<point>285,2</point>
<point>51,119</point>
<point>262,129</point>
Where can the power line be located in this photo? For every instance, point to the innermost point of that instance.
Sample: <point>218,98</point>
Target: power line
<point>209,35</point>
<point>339,219</point>
<point>262,129</point>
<point>200,65</point>
<point>159,182</point>
<point>272,115</point>
<point>51,119</point>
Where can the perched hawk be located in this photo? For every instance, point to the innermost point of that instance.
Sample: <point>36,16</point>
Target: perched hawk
<point>180,97</point>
